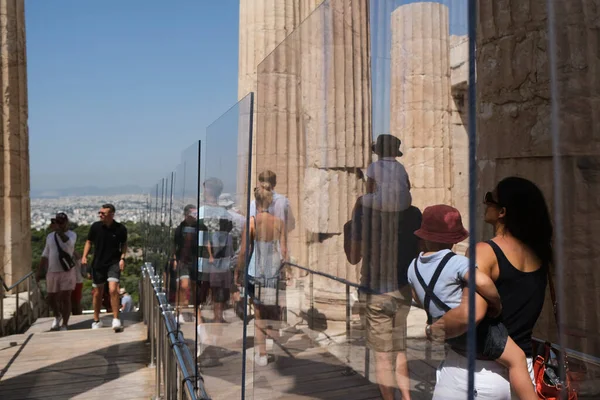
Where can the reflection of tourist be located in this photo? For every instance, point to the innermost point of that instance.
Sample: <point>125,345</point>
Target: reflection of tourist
<point>438,276</point>
<point>280,206</point>
<point>184,257</point>
<point>386,243</point>
<point>387,178</point>
<point>214,258</point>
<point>517,259</point>
<point>268,252</point>
<point>239,221</point>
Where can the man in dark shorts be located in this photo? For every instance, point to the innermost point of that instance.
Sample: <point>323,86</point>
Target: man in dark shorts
<point>109,239</point>
<point>185,240</point>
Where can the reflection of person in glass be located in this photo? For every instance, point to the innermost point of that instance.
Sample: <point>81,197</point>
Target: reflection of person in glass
<point>268,253</point>
<point>183,258</point>
<point>215,250</point>
<point>387,178</point>
<point>279,206</point>
<point>381,233</point>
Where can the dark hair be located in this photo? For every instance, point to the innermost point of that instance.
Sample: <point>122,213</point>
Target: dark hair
<point>527,216</point>
<point>214,186</point>
<point>269,177</point>
<point>188,208</point>
<point>109,206</point>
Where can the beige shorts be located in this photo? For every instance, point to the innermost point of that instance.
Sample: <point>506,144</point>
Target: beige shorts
<point>386,320</point>
<point>61,281</point>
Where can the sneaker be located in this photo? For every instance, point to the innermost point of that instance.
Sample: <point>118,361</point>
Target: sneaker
<point>261,361</point>
<point>181,319</point>
<point>56,324</point>
<point>116,324</point>
<point>97,325</point>
<point>63,328</point>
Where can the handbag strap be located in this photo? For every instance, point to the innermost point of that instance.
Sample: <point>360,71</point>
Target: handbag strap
<point>553,297</point>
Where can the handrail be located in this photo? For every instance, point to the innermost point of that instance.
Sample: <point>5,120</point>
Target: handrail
<point>574,354</point>
<point>14,285</point>
<point>170,354</point>
<point>34,303</point>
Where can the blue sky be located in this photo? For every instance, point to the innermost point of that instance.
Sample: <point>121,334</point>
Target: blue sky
<point>117,89</point>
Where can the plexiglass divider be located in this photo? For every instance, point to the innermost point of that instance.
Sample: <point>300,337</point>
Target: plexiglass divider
<point>365,119</point>
<point>361,125</point>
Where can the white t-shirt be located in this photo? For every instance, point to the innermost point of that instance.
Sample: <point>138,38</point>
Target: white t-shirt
<point>51,252</point>
<point>393,185</point>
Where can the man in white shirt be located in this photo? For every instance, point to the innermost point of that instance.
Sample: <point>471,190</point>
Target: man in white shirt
<point>280,206</point>
<point>60,282</point>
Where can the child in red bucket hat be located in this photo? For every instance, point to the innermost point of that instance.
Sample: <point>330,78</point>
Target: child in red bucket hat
<point>437,277</point>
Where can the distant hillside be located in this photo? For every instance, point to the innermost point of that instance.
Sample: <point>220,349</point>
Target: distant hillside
<point>89,191</point>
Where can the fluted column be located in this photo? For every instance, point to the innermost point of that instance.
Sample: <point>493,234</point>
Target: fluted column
<point>15,247</point>
<point>336,125</point>
<point>420,98</point>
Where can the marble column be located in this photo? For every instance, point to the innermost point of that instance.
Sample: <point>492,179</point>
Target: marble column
<point>514,137</point>
<point>15,246</point>
<point>420,98</point>
<point>336,124</point>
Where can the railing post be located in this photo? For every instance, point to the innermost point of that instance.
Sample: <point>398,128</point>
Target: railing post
<point>1,310</point>
<point>312,302</point>
<point>17,311</point>
<point>30,314</point>
<point>158,356</point>
<point>152,331</point>
<point>348,312</point>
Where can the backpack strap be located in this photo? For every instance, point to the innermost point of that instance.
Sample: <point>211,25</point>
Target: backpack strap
<point>428,288</point>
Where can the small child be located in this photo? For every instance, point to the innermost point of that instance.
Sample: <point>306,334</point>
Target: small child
<point>388,185</point>
<point>437,277</point>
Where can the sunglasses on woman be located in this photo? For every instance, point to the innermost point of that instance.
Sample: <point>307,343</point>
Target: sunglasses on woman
<point>488,198</point>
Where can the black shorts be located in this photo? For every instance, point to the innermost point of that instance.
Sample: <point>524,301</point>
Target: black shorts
<point>217,285</point>
<point>492,336</point>
<point>100,276</point>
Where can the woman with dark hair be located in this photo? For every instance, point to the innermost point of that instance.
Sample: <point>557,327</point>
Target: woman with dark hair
<point>517,259</point>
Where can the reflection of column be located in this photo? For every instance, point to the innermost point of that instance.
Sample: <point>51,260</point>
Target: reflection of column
<point>264,24</point>
<point>514,121</point>
<point>420,98</point>
<point>15,247</point>
<point>336,120</point>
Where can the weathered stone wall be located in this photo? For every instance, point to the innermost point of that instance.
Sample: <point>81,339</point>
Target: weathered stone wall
<point>514,137</point>
<point>15,218</point>
<point>420,98</point>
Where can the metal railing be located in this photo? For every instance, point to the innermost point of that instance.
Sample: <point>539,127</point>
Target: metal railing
<point>34,300</point>
<point>348,321</point>
<point>169,354</point>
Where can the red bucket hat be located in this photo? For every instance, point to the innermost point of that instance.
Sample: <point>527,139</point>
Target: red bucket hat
<point>442,224</point>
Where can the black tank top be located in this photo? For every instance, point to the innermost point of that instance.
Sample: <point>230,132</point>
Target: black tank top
<point>522,295</point>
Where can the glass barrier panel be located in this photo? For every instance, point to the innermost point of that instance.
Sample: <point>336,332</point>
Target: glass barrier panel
<point>361,126</point>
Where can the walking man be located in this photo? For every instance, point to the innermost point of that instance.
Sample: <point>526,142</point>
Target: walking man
<point>60,282</point>
<point>109,239</point>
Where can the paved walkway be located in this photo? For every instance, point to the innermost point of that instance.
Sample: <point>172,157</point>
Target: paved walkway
<point>77,364</point>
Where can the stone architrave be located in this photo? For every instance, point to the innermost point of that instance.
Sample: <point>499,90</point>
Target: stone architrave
<point>15,216</point>
<point>420,98</point>
<point>514,138</point>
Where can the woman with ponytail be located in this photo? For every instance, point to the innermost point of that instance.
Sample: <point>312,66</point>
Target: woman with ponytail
<point>268,254</point>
